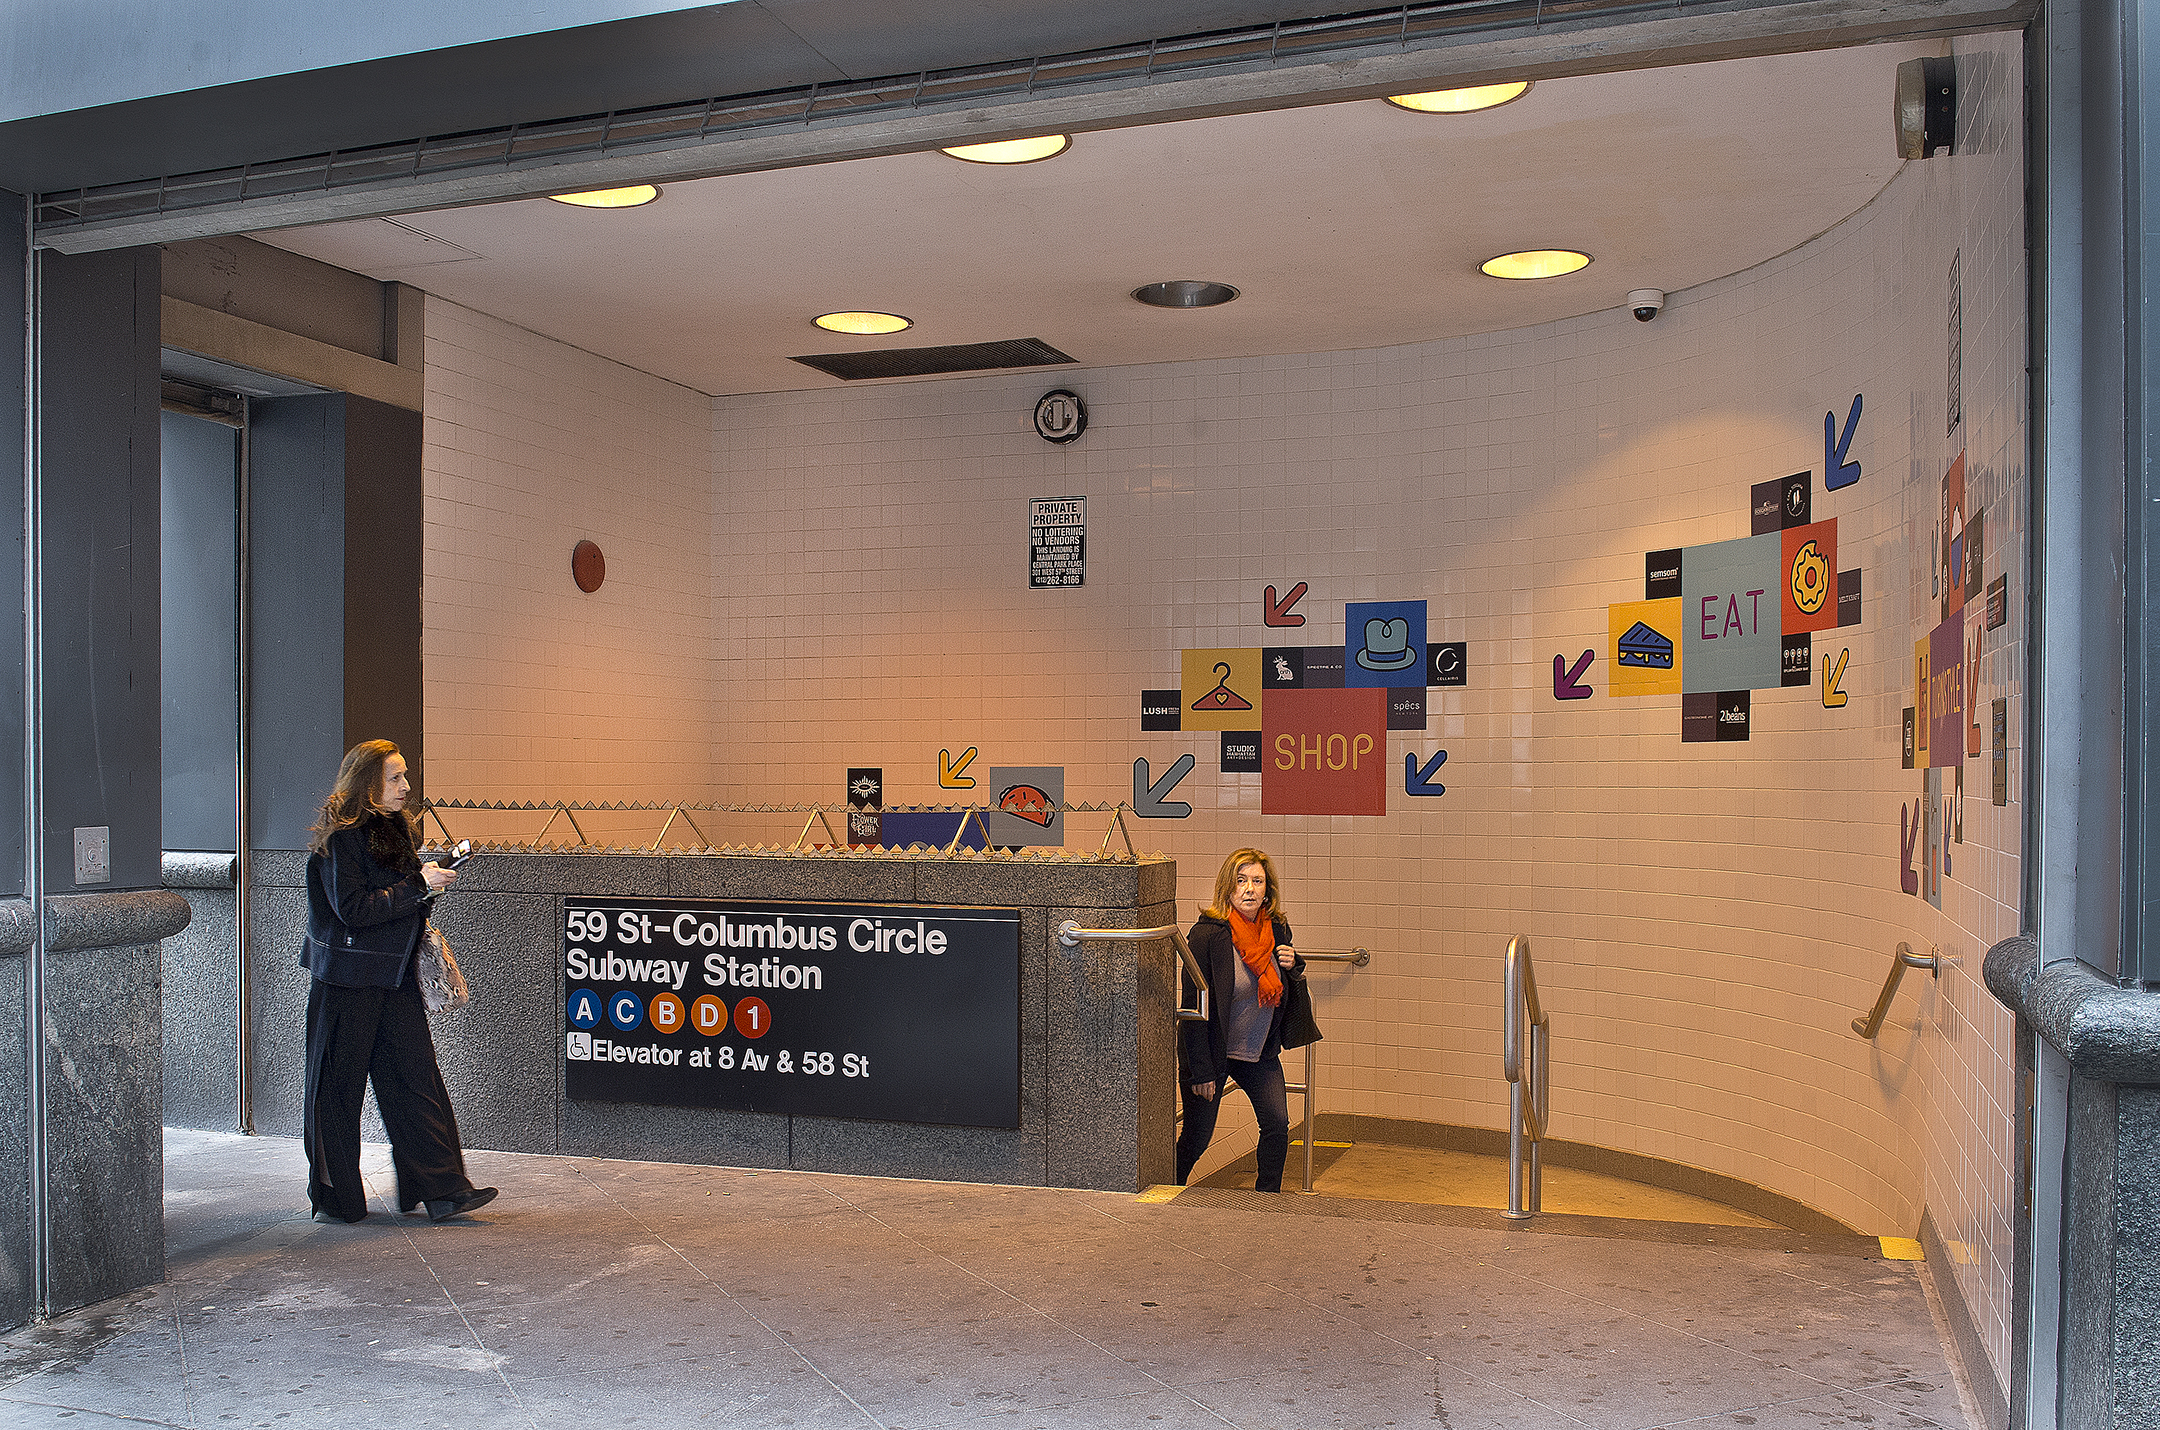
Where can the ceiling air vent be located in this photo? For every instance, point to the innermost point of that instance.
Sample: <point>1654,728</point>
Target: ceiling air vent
<point>929,362</point>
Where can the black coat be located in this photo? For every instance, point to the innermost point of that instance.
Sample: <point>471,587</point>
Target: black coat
<point>367,905</point>
<point>1203,1047</point>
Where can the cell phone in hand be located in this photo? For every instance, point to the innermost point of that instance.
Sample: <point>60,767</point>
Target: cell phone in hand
<point>459,854</point>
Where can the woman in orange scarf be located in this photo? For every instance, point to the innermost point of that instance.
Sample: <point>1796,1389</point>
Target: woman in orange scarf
<point>1242,943</point>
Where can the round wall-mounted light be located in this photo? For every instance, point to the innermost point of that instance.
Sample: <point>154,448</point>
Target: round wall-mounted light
<point>1185,293</point>
<point>1012,151</point>
<point>1462,101</point>
<point>625,198</point>
<point>1535,263</point>
<point>862,324</point>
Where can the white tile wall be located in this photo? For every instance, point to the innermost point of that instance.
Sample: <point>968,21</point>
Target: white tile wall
<point>1707,919</point>
<point>849,588</point>
<point>532,687</point>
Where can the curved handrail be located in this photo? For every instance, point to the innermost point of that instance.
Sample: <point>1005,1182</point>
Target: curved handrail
<point>1071,935</point>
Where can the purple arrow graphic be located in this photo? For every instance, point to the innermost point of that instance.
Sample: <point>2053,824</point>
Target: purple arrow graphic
<point>1837,472</point>
<point>1908,835</point>
<point>1564,686</point>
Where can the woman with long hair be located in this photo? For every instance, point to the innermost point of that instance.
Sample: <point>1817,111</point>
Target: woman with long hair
<point>1243,944</point>
<point>368,902</point>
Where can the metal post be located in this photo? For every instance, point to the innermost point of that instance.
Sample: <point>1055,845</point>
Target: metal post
<point>33,1010</point>
<point>243,828</point>
<point>1310,1062</point>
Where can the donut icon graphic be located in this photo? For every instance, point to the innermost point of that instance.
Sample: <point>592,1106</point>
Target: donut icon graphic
<point>1810,579</point>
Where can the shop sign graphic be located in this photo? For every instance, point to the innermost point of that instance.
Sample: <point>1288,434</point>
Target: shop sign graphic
<point>1848,598</point>
<point>1998,602</point>
<point>1149,800</point>
<point>1838,473</point>
<point>1406,707</point>
<point>1766,501</point>
<point>2001,722</point>
<point>1325,752</point>
<point>1661,575</point>
<point>1161,709</point>
<point>1730,627</point>
<point>1450,664</point>
<point>1282,667</point>
<point>1027,799</point>
<point>865,800</point>
<point>1566,679</point>
<point>1383,643</point>
<point>1643,647</point>
<point>1057,541</point>
<point>1277,613</point>
<point>891,1013</point>
<point>1323,668</point>
<point>1797,664</point>
<point>949,770</point>
<point>1946,694</point>
<point>1241,752</point>
<point>1796,500</point>
<point>1421,781</point>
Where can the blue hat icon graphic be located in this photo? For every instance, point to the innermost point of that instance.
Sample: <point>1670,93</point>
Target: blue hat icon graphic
<point>1387,645</point>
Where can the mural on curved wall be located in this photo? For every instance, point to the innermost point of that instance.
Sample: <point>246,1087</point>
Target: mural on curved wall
<point>1545,512</point>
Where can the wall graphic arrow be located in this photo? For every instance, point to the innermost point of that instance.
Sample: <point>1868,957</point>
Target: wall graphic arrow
<point>1278,612</point>
<point>1908,835</point>
<point>948,770</point>
<point>1833,680</point>
<point>1565,679</point>
<point>1147,799</point>
<point>1837,472</point>
<point>1417,781</point>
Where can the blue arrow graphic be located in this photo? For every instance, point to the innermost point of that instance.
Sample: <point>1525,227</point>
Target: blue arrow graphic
<point>1837,472</point>
<point>1147,799</point>
<point>1417,781</point>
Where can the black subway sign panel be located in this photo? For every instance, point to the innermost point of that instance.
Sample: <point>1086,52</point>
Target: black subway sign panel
<point>891,1013</point>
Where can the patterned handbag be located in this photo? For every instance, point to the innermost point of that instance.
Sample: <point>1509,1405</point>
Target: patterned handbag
<point>442,986</point>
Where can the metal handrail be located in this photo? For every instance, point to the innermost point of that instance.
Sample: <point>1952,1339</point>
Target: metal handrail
<point>1527,1035</point>
<point>1357,958</point>
<point>1903,959</point>
<point>1071,935</point>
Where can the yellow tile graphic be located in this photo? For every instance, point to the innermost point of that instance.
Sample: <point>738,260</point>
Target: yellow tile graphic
<point>1637,669</point>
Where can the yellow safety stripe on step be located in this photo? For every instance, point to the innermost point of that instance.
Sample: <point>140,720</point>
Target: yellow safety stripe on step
<point>1162,1193</point>
<point>1299,1142</point>
<point>1901,1248</point>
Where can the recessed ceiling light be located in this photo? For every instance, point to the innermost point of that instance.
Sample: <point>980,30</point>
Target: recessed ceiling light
<point>1462,101</point>
<point>1535,263</point>
<point>1013,151</point>
<point>862,323</point>
<point>626,198</point>
<point>1185,293</point>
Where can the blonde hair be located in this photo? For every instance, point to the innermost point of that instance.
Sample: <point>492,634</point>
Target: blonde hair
<point>357,794</point>
<point>1226,884</point>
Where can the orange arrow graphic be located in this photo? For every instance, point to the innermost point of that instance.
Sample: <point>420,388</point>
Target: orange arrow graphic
<point>948,771</point>
<point>1832,696</point>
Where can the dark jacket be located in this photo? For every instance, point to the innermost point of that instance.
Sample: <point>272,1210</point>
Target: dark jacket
<point>1202,1047</point>
<point>367,905</point>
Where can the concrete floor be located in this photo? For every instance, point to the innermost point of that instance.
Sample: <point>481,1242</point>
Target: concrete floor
<point>602,1293</point>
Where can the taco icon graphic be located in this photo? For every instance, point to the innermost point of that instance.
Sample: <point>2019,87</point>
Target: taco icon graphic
<point>1028,803</point>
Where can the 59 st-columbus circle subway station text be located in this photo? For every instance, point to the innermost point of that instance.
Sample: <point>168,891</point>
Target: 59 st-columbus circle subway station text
<point>896,1013</point>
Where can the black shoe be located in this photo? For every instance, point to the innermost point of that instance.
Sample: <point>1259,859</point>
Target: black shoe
<point>325,1214</point>
<point>460,1203</point>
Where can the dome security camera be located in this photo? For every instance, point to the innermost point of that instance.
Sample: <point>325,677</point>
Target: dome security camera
<point>1645,303</point>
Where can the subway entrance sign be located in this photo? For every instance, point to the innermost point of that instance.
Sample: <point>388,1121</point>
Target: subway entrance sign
<point>886,1012</point>
<point>1324,752</point>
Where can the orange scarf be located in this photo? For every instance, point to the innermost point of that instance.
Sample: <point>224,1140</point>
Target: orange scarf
<point>1256,945</point>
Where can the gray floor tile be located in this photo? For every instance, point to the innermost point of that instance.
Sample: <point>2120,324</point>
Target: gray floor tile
<point>702,1393</point>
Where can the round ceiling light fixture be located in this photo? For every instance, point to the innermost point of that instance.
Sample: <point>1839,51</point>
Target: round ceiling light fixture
<point>863,324</point>
<point>624,198</point>
<point>1535,263</point>
<point>1185,293</point>
<point>1012,151</point>
<point>1462,101</point>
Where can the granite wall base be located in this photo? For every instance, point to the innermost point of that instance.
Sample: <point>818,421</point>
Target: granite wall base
<point>1098,1040</point>
<point>202,1015</point>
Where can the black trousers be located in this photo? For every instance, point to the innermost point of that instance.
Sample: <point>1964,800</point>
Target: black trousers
<point>1264,1083</point>
<point>358,1034</point>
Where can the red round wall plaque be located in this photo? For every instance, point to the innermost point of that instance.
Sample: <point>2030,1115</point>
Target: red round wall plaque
<point>588,566</point>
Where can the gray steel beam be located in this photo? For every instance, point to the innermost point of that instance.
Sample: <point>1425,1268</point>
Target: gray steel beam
<point>1220,74</point>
